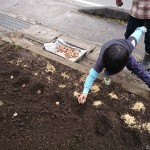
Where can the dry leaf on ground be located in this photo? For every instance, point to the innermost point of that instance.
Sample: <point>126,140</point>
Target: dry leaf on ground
<point>95,89</point>
<point>113,96</point>
<point>138,106</point>
<point>76,94</point>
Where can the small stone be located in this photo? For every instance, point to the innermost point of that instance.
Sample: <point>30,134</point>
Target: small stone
<point>25,66</point>
<point>15,114</point>
<point>27,118</point>
<point>4,93</point>
<point>54,116</point>
<point>1,103</point>
<point>39,92</point>
<point>12,77</point>
<point>65,112</point>
<point>69,110</point>
<point>22,124</point>
<point>4,115</point>
<point>21,129</point>
<point>23,85</point>
<point>57,103</point>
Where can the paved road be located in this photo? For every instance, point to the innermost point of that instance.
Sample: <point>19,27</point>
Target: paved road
<point>126,5</point>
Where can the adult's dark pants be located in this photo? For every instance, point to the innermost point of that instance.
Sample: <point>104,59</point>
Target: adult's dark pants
<point>133,23</point>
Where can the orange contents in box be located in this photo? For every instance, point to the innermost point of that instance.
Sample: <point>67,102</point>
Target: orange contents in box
<point>67,51</point>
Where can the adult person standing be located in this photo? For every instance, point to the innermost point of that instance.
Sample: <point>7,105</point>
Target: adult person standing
<point>139,16</point>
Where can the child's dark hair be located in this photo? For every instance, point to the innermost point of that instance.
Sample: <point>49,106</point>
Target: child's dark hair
<point>115,58</point>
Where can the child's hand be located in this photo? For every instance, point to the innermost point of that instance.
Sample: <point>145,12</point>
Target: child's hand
<point>82,98</point>
<point>143,29</point>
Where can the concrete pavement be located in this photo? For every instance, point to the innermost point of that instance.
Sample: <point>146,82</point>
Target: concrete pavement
<point>107,12</point>
<point>34,36</point>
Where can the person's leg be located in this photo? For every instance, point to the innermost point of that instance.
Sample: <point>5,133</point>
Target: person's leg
<point>133,23</point>
<point>146,60</point>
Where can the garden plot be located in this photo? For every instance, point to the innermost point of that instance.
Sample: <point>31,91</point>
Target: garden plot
<point>39,108</point>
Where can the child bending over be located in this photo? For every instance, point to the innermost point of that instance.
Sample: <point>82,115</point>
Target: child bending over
<point>114,56</point>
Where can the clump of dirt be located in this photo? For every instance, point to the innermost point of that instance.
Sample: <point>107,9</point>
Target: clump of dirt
<point>39,108</point>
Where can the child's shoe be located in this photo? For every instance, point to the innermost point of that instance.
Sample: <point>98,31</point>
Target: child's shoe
<point>107,80</point>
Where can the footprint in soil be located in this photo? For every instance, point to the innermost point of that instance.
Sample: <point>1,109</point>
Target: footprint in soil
<point>102,125</point>
<point>18,82</point>
<point>130,137</point>
<point>34,88</point>
<point>78,109</point>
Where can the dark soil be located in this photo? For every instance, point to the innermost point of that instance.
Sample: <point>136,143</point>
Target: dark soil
<point>31,120</point>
